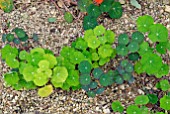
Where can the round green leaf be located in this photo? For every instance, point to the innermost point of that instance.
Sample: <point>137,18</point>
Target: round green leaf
<point>105,51</point>
<point>133,46</point>
<point>152,98</point>
<point>85,79</point>
<point>93,42</point>
<point>122,50</point>
<point>117,106</point>
<point>110,36</point>
<point>161,47</point>
<point>164,70</point>
<point>85,67</point>
<point>97,72</point>
<point>164,84</point>
<point>165,102</point>
<point>158,32</point>
<point>68,17</point>
<point>11,78</point>
<point>123,39</point>
<point>10,37</point>
<point>99,30</point>
<point>89,22</point>
<point>144,23</point>
<point>45,91</point>
<point>116,10</point>
<point>137,37</point>
<point>141,100</point>
<point>93,10</point>
<point>133,109</point>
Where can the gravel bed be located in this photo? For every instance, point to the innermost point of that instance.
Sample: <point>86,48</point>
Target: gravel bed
<point>32,16</point>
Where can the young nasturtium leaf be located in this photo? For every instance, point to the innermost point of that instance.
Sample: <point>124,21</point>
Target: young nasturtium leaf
<point>73,78</point>
<point>91,93</point>
<point>126,76</point>
<point>93,10</point>
<point>144,48</point>
<point>69,66</point>
<point>93,85</point>
<point>123,39</point>
<point>76,57</point>
<point>45,91</point>
<point>95,56</point>
<point>88,34</point>
<point>164,84</point>
<point>29,72</point>
<point>116,10</point>
<point>81,44</point>
<point>10,37</point>
<point>38,50</point>
<point>110,36</point>
<point>40,79</point>
<point>137,37</point>
<point>89,22</point>
<point>85,87</point>
<point>12,62</point>
<point>144,110</point>
<point>163,71</point>
<point>11,78</point>
<point>7,50</point>
<point>60,74</point>
<point>4,37</point>
<point>87,55</point>
<point>104,80</point>
<point>141,100</point>
<point>122,50</point>
<point>35,37</point>
<point>23,55</point>
<point>102,39</point>
<point>105,51</point>
<point>133,56</point>
<point>165,102</point>
<point>19,32</point>
<point>99,30</point>
<point>16,41</point>
<point>117,106</point>
<point>85,67</point>
<point>93,42</point>
<point>151,63</point>
<point>97,72</point>
<point>152,98</point>
<point>158,33</point>
<point>144,23</point>
<point>44,64</point>
<point>133,109</point>
<point>85,79</point>
<point>124,63</point>
<point>51,59</point>
<point>65,86</point>
<point>35,58</point>
<point>133,46</point>
<point>129,67</point>
<point>103,61</point>
<point>100,90</point>
<point>66,52</point>
<point>68,17</point>
<point>119,79</point>
<point>161,47</point>
<point>83,4</point>
<point>105,6</point>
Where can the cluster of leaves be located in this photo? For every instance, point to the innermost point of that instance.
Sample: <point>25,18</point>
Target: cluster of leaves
<point>163,85</point>
<point>124,72</point>
<point>6,5</point>
<point>33,69</point>
<point>140,105</point>
<point>94,81</point>
<point>130,47</point>
<point>20,35</point>
<point>151,61</point>
<point>95,46</point>
<point>114,10</point>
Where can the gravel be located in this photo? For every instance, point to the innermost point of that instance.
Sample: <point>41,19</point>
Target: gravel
<point>32,16</point>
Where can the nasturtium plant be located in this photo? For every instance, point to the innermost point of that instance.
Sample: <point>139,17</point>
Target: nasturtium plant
<point>122,50</point>
<point>158,33</point>
<point>165,102</point>
<point>116,10</point>
<point>161,47</point>
<point>97,72</point>
<point>68,17</point>
<point>45,91</point>
<point>99,30</point>
<point>151,63</point>
<point>83,4</point>
<point>144,23</point>
<point>141,100</point>
<point>123,39</point>
<point>11,78</point>
<point>164,85</point>
<point>105,51</point>
<point>164,70</point>
<point>117,106</point>
<point>152,98</point>
<point>133,109</point>
<point>85,67</point>
<point>85,79</point>
<point>133,46</point>
<point>7,5</point>
<point>93,10</point>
